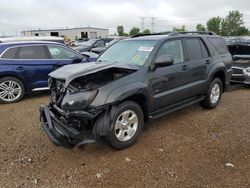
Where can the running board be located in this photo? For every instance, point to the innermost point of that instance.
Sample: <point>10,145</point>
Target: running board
<point>176,107</point>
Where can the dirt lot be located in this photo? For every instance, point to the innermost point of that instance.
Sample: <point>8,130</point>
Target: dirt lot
<point>189,148</point>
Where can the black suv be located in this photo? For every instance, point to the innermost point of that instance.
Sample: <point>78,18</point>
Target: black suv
<point>134,80</point>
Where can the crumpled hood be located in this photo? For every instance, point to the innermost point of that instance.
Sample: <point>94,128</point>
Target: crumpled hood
<point>70,72</point>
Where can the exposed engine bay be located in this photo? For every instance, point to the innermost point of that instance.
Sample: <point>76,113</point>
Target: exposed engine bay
<point>98,79</point>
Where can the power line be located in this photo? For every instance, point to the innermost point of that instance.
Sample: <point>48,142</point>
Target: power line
<point>152,23</point>
<point>142,23</point>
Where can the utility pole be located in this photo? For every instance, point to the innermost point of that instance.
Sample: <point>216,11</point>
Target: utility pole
<point>142,23</point>
<point>152,23</point>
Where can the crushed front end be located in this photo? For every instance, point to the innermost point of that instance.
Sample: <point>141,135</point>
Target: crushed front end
<point>64,119</point>
<point>71,119</point>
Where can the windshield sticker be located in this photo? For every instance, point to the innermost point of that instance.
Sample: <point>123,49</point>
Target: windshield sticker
<point>146,48</point>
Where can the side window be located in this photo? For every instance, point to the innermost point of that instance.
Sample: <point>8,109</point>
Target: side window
<point>219,44</point>
<point>193,47</point>
<point>204,50</point>
<point>31,52</point>
<point>100,43</point>
<point>10,53</point>
<point>173,48</point>
<point>58,52</point>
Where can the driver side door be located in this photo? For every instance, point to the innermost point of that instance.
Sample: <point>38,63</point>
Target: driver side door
<point>61,56</point>
<point>168,83</point>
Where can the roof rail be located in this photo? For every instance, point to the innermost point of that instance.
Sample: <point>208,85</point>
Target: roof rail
<point>170,33</point>
<point>193,32</point>
<point>161,33</point>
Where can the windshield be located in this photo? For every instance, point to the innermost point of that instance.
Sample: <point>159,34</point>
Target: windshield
<point>128,52</point>
<point>89,42</point>
<point>112,42</point>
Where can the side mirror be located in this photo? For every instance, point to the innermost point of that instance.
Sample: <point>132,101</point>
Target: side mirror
<point>163,61</point>
<point>77,60</point>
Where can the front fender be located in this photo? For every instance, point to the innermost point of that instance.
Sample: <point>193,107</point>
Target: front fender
<point>128,90</point>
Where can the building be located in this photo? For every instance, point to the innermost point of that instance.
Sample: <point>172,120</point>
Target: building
<point>70,33</point>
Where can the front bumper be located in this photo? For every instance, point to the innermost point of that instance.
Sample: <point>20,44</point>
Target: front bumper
<point>59,133</point>
<point>241,77</point>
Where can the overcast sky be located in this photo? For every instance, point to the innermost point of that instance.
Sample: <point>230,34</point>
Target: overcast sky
<point>17,15</point>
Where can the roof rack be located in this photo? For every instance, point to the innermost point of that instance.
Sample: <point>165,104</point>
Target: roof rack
<point>193,32</point>
<point>170,33</point>
<point>161,33</point>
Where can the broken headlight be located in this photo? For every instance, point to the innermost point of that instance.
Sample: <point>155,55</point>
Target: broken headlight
<point>248,70</point>
<point>78,101</point>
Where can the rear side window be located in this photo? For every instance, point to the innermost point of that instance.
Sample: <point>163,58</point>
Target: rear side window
<point>32,52</point>
<point>194,51</point>
<point>10,53</point>
<point>219,45</point>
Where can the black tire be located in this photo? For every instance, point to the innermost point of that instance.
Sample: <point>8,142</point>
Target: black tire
<point>112,138</point>
<point>22,88</point>
<point>207,103</point>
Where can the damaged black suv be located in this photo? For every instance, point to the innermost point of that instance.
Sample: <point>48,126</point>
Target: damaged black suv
<point>136,79</point>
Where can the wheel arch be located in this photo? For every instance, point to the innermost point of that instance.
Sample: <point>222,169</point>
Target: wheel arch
<point>218,71</point>
<point>137,92</point>
<point>17,77</point>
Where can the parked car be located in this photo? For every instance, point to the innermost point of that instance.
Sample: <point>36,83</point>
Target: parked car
<point>99,50</point>
<point>134,80</point>
<point>241,64</point>
<point>35,38</point>
<point>24,66</point>
<point>92,43</point>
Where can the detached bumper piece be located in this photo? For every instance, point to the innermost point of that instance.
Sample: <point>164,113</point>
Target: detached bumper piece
<point>241,75</point>
<point>59,133</point>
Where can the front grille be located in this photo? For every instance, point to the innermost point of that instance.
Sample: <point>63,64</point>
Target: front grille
<point>237,70</point>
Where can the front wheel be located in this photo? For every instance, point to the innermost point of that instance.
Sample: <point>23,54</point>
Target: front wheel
<point>11,90</point>
<point>213,95</point>
<point>127,125</point>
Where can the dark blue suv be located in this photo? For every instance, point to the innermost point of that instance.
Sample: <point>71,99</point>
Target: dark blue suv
<point>24,66</point>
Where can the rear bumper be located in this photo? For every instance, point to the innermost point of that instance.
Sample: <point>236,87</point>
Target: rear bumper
<point>241,78</point>
<point>240,75</point>
<point>59,133</point>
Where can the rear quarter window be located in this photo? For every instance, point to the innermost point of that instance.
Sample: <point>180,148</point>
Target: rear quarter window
<point>10,53</point>
<point>219,45</point>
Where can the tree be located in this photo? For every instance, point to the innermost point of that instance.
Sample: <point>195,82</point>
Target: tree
<point>214,24</point>
<point>146,32</point>
<point>134,31</point>
<point>120,30</point>
<point>180,29</point>
<point>243,31</point>
<point>233,24</point>
<point>200,27</point>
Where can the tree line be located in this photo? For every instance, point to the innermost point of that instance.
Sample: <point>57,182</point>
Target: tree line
<point>133,31</point>
<point>231,25</point>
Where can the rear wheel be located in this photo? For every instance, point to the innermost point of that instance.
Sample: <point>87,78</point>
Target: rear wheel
<point>11,90</point>
<point>213,95</point>
<point>128,123</point>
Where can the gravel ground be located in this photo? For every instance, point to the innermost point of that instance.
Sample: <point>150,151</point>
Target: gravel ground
<point>189,148</point>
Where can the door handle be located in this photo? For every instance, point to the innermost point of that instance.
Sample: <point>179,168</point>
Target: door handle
<point>20,68</point>
<point>208,61</point>
<point>185,67</point>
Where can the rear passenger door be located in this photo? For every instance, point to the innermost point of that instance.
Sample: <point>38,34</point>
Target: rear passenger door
<point>198,59</point>
<point>32,61</point>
